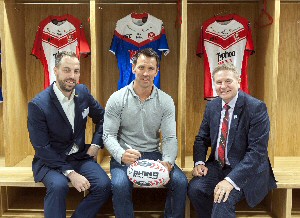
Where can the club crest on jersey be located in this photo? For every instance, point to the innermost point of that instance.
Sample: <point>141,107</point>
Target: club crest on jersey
<point>151,35</point>
<point>236,36</point>
<point>70,38</point>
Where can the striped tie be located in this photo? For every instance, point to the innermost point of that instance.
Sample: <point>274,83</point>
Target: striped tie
<point>223,136</point>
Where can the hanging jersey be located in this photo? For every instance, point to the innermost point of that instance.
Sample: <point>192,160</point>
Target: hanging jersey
<point>56,34</point>
<point>135,32</point>
<point>225,39</point>
<point>1,96</point>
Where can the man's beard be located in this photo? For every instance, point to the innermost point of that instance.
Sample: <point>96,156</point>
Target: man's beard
<point>63,86</point>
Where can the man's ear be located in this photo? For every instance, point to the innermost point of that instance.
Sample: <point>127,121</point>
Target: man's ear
<point>133,68</point>
<point>239,81</point>
<point>156,72</point>
<point>55,69</point>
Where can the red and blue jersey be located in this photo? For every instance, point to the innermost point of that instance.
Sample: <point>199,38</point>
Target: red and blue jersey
<point>133,33</point>
<point>1,96</point>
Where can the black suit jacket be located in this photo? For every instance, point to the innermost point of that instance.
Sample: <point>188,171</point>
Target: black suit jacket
<point>51,133</point>
<point>247,147</point>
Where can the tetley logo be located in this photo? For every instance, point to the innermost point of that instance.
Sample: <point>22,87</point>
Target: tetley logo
<point>223,56</point>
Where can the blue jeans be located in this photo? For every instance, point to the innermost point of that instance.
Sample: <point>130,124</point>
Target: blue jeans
<point>122,189</point>
<point>57,190</point>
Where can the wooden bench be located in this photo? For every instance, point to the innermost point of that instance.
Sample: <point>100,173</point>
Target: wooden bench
<point>283,202</point>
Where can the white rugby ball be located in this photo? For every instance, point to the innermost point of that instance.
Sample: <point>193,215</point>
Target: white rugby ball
<point>148,173</point>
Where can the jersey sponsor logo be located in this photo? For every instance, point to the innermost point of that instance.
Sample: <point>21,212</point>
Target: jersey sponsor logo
<point>225,55</point>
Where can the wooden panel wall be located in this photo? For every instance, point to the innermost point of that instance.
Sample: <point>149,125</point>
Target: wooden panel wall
<point>197,14</point>
<point>288,106</point>
<point>14,84</point>
<point>267,67</point>
<point>1,105</point>
<point>110,14</point>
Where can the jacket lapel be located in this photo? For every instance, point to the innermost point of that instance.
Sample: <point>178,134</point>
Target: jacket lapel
<point>216,122</point>
<point>235,119</point>
<point>77,112</point>
<point>58,106</point>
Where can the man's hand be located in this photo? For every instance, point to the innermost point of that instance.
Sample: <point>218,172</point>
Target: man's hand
<point>130,156</point>
<point>222,191</point>
<point>79,181</point>
<point>166,165</point>
<point>93,152</point>
<point>200,170</point>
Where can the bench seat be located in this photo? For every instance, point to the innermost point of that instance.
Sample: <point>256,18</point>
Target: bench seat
<point>280,200</point>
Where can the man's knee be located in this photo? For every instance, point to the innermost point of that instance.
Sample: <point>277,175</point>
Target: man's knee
<point>59,187</point>
<point>196,188</point>
<point>180,182</point>
<point>102,185</point>
<point>120,183</point>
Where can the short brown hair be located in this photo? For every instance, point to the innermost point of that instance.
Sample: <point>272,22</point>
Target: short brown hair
<point>226,66</point>
<point>62,54</point>
<point>148,52</point>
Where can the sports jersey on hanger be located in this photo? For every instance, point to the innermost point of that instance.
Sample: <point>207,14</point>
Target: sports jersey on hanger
<point>225,39</point>
<point>56,34</point>
<point>1,96</point>
<point>135,32</point>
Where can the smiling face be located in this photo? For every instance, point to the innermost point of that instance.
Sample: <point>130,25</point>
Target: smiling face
<point>145,71</point>
<point>67,74</point>
<point>227,84</point>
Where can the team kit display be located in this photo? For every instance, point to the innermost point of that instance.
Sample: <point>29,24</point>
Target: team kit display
<point>223,39</point>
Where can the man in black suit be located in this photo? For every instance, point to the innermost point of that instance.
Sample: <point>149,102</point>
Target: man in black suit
<point>56,122</point>
<point>236,126</point>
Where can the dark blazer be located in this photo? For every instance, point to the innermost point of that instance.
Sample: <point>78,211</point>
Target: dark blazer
<point>247,145</point>
<point>51,133</point>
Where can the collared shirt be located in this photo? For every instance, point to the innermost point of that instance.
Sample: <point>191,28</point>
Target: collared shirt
<point>68,106</point>
<point>130,121</point>
<point>231,105</point>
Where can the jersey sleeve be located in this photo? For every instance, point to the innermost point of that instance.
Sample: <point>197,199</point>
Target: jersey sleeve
<point>37,49</point>
<point>114,44</point>
<point>200,48</point>
<point>249,45</point>
<point>163,44</point>
<point>84,47</point>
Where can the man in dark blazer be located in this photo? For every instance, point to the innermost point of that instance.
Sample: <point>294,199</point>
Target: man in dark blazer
<point>56,122</point>
<point>236,126</point>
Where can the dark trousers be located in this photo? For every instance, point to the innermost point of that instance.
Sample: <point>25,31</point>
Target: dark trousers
<point>201,194</point>
<point>57,189</point>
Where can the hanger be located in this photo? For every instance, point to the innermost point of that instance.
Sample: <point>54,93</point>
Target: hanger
<point>264,13</point>
<point>224,15</point>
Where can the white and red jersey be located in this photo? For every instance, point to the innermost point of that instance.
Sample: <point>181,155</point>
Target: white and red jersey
<point>225,39</point>
<point>56,34</point>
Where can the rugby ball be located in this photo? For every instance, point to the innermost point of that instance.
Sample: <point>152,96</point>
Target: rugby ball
<point>148,173</point>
